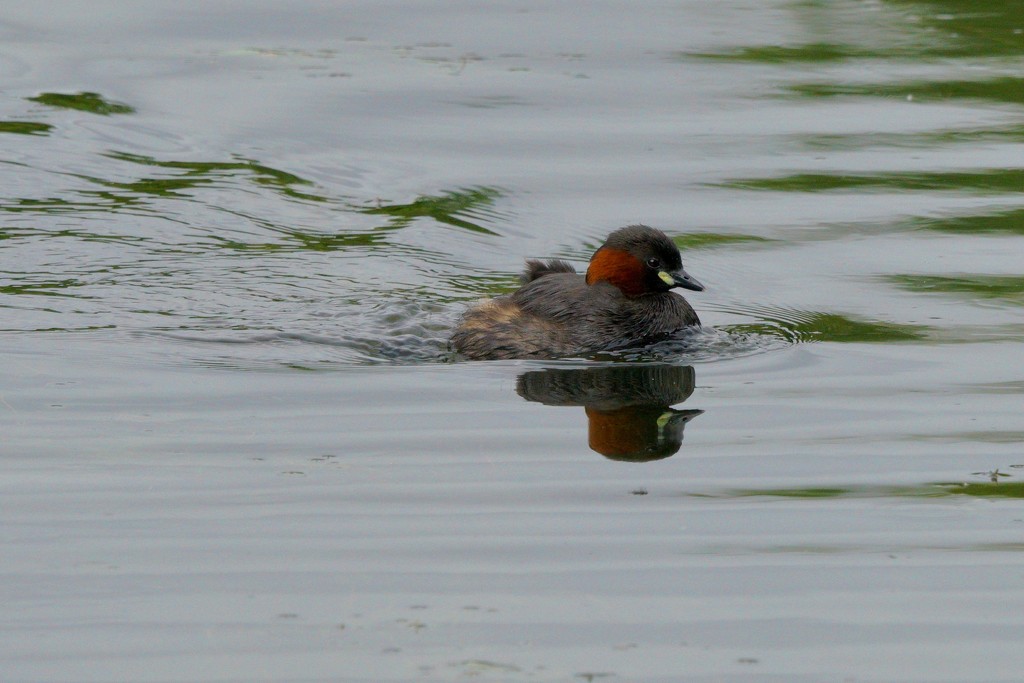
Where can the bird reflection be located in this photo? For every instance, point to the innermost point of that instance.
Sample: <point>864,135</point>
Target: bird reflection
<point>628,406</point>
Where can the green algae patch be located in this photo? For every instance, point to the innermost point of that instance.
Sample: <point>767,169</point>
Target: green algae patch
<point>25,127</point>
<point>998,489</point>
<point>1004,89</point>
<point>451,208</point>
<point>941,29</point>
<point>1001,489</point>
<point>803,326</point>
<point>1005,288</point>
<point>300,240</point>
<point>988,181</point>
<point>1005,222</point>
<point>91,102</point>
<point>52,288</point>
<point>805,53</point>
<point>710,240</point>
<point>917,140</point>
<point>194,173</point>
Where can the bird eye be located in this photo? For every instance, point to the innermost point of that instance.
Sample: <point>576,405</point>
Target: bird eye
<point>654,263</point>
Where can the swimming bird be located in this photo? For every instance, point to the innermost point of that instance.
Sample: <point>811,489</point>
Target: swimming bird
<point>623,301</point>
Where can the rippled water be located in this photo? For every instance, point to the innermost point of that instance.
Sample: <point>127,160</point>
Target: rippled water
<point>234,239</point>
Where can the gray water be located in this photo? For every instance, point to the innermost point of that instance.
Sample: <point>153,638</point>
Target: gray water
<point>235,236</point>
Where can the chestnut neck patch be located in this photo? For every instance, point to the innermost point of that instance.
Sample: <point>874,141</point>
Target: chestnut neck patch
<point>619,268</point>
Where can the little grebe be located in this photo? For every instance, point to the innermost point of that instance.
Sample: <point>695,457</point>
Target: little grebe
<point>623,301</point>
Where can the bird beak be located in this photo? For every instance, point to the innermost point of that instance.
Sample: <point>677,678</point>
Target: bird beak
<point>680,278</point>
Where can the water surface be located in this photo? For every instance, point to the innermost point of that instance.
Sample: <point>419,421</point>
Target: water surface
<point>234,239</point>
